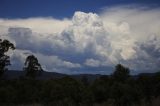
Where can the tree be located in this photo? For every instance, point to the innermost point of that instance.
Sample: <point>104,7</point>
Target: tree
<point>32,66</point>
<point>121,73</point>
<point>5,45</point>
<point>84,80</point>
<point>101,89</point>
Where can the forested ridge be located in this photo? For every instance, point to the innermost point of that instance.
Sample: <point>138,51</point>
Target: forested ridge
<point>117,89</point>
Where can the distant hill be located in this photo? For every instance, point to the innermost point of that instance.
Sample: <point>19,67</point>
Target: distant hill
<point>15,74</point>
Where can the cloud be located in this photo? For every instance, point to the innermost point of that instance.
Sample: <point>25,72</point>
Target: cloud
<point>39,24</point>
<point>92,63</point>
<point>122,34</point>
<point>131,28</point>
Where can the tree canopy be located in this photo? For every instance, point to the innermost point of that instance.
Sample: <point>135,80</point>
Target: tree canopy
<point>121,73</point>
<point>5,45</point>
<point>32,66</point>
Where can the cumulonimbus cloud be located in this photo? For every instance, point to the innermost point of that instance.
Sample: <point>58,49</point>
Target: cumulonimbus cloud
<point>121,34</point>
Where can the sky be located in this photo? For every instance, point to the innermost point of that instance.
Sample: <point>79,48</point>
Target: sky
<point>83,36</point>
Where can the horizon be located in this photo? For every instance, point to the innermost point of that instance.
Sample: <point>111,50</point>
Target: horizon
<point>83,37</point>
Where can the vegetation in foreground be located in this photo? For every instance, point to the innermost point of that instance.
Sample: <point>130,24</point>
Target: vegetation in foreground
<point>118,89</point>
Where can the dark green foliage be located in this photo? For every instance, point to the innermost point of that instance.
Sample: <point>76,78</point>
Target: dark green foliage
<point>147,83</point>
<point>85,81</point>
<point>124,94</point>
<point>121,73</point>
<point>70,92</point>
<point>5,45</point>
<point>62,90</point>
<point>59,92</point>
<point>100,89</point>
<point>32,66</point>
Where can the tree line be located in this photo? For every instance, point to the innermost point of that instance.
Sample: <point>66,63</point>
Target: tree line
<point>117,89</point>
